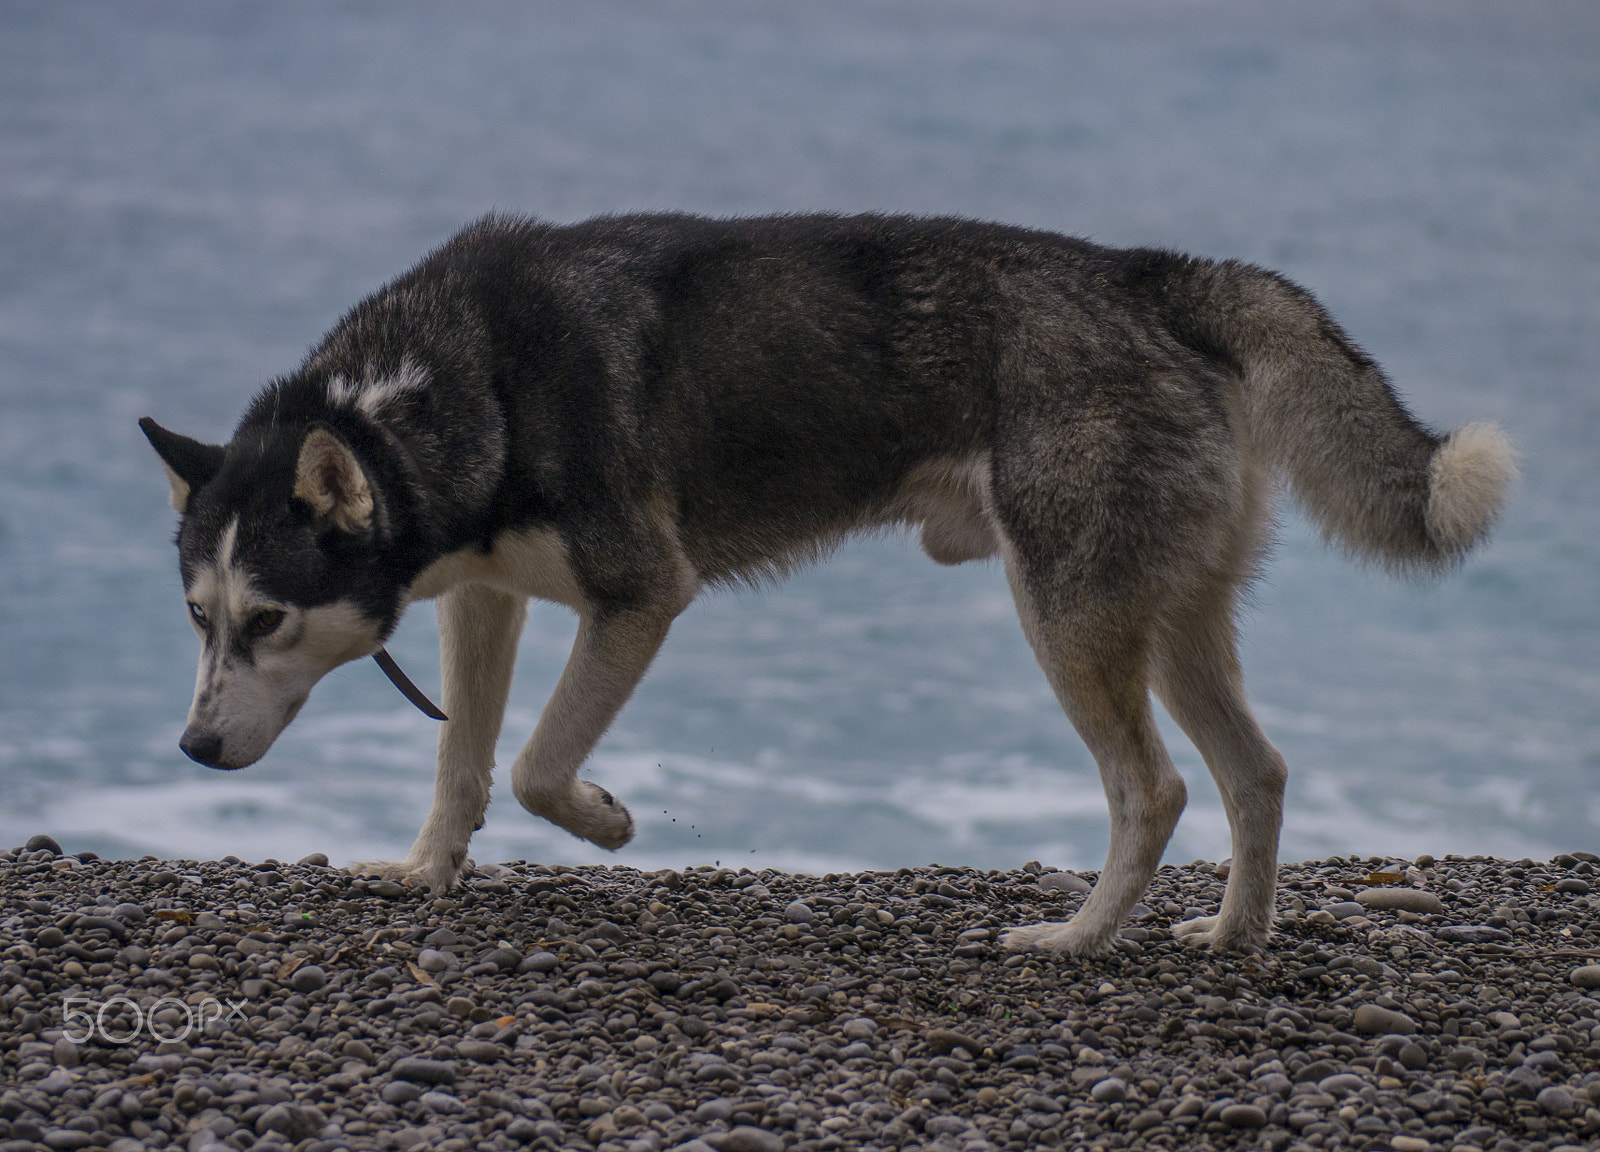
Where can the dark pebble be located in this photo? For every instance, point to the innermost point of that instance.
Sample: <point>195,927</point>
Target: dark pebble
<point>424,1071</point>
<point>308,978</point>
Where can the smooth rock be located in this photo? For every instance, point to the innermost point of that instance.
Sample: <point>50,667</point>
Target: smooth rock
<point>483,1051</point>
<point>1243,1116</point>
<point>1401,900</point>
<point>308,978</point>
<point>1371,1020</point>
<point>1587,976</point>
<point>1111,1090</point>
<point>748,1138</point>
<point>1557,1100</point>
<point>424,1071</point>
<point>1069,882</point>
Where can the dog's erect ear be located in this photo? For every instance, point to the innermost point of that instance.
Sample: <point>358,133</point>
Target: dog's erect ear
<point>331,480</point>
<point>190,465</point>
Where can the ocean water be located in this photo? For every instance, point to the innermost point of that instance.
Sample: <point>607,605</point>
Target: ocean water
<point>190,194</point>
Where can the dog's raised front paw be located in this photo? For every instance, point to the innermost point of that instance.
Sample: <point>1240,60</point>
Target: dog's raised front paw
<point>1209,931</point>
<point>1063,939</point>
<point>588,811</point>
<point>435,877</point>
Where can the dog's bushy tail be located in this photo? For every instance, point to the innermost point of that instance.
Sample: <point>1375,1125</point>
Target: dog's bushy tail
<point>1372,477</point>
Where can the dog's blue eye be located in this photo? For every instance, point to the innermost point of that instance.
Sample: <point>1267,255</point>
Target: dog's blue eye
<point>199,614</point>
<point>264,623</point>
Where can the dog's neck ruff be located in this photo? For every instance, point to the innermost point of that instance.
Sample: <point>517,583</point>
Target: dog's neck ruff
<point>407,689</point>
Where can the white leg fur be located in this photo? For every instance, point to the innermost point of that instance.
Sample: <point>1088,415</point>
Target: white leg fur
<point>478,632</point>
<point>1200,684</point>
<point>1105,697</point>
<point>609,657</point>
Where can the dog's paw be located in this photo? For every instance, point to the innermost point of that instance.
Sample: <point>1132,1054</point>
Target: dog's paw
<point>435,877</point>
<point>588,811</point>
<point>1062,939</point>
<point>1210,932</point>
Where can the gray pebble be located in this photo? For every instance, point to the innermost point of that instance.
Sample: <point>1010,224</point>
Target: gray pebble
<point>424,1071</point>
<point>1344,909</point>
<point>1069,882</point>
<point>1341,1084</point>
<point>401,1092</point>
<point>860,1029</point>
<point>1587,976</point>
<point>66,1139</point>
<point>1111,1090</point>
<point>747,1138</point>
<point>433,960</point>
<point>1557,1100</point>
<point>308,978</point>
<point>522,1130</point>
<point>484,1051</point>
<point>799,912</point>
<point>1401,900</point>
<point>1376,1021</point>
<point>441,1102</point>
<point>1243,1116</point>
<point>42,843</point>
<point>540,962</point>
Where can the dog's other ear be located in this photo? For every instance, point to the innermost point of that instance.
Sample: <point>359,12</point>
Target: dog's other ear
<point>331,480</point>
<point>189,464</point>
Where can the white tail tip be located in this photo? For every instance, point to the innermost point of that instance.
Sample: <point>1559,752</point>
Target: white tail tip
<point>1468,478</point>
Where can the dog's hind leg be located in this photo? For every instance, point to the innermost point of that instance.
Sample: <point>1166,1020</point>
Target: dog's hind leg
<point>613,649</point>
<point>1096,662</point>
<point>1198,680</point>
<point>478,632</point>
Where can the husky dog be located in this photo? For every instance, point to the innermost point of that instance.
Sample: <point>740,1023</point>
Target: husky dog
<point>616,414</point>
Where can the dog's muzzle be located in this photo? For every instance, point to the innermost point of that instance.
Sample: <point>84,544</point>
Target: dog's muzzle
<point>203,748</point>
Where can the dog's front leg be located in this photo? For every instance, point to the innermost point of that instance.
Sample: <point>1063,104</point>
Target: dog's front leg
<point>613,649</point>
<point>478,632</point>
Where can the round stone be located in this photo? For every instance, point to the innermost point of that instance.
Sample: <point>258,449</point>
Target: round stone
<point>1401,900</point>
<point>1069,882</point>
<point>1111,1090</point>
<point>1243,1116</point>
<point>1557,1100</point>
<point>424,1071</point>
<point>1372,1020</point>
<point>309,978</point>
<point>1587,976</point>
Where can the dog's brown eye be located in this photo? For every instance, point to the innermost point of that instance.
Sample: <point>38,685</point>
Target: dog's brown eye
<point>199,614</point>
<point>264,623</point>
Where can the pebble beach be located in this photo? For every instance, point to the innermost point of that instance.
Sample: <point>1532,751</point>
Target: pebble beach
<point>1412,1005</point>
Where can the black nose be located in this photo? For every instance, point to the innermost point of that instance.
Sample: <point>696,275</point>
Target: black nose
<point>203,748</point>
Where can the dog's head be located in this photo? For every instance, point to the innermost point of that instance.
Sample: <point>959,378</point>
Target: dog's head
<point>280,547</point>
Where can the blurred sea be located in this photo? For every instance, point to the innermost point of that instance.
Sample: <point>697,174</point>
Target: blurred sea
<point>191,193</point>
